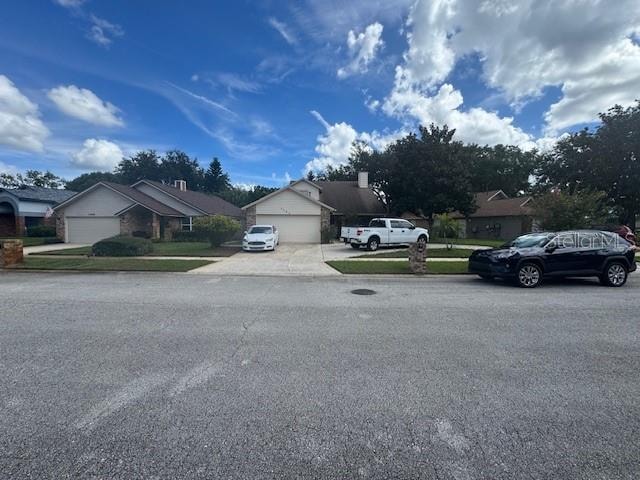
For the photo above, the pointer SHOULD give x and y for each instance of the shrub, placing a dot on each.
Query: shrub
(189, 237)
(41, 231)
(141, 234)
(217, 229)
(122, 246)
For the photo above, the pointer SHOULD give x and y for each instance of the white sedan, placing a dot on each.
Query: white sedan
(260, 237)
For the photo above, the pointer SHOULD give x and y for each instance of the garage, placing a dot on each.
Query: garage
(91, 229)
(294, 228)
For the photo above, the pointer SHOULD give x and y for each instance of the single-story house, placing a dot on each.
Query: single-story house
(310, 212)
(497, 216)
(25, 207)
(146, 208)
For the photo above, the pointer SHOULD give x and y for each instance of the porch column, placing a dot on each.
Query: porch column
(155, 227)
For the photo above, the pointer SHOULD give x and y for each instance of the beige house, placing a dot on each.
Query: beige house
(146, 208)
(312, 212)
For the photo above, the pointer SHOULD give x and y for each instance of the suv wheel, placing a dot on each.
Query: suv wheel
(615, 275)
(529, 275)
(373, 244)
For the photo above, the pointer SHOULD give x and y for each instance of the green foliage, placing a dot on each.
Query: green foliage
(87, 180)
(215, 179)
(144, 164)
(241, 197)
(122, 246)
(189, 237)
(562, 211)
(447, 228)
(41, 231)
(31, 178)
(602, 160)
(217, 228)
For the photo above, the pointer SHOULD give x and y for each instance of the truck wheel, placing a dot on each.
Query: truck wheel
(355, 247)
(615, 275)
(373, 244)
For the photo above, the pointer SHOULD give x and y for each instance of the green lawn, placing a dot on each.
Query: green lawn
(399, 267)
(34, 241)
(470, 241)
(431, 253)
(110, 264)
(164, 249)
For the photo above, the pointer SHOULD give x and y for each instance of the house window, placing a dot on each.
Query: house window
(187, 224)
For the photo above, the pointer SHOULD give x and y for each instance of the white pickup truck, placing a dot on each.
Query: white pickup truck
(383, 231)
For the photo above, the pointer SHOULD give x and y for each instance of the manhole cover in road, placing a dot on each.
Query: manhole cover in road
(363, 291)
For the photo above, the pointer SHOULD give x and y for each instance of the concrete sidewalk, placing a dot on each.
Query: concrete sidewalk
(52, 247)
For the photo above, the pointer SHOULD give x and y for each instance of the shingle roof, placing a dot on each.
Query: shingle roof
(347, 198)
(40, 194)
(144, 200)
(497, 207)
(210, 204)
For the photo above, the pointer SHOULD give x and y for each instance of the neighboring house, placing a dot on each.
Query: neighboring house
(21, 208)
(146, 208)
(497, 216)
(303, 210)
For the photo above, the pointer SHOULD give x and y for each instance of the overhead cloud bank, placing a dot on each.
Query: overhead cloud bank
(588, 49)
(97, 155)
(85, 105)
(20, 124)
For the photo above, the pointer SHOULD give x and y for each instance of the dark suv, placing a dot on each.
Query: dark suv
(579, 253)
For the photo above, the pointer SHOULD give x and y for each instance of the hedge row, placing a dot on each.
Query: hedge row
(122, 246)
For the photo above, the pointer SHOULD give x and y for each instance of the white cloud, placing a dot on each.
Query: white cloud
(102, 31)
(363, 48)
(334, 146)
(69, 3)
(8, 169)
(283, 30)
(20, 124)
(232, 81)
(97, 155)
(584, 47)
(84, 104)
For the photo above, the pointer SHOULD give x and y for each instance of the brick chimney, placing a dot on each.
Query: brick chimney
(180, 185)
(363, 179)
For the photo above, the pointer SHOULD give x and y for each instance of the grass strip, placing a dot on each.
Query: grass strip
(399, 267)
(110, 264)
(431, 253)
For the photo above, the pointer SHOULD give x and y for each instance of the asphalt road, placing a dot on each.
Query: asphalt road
(184, 376)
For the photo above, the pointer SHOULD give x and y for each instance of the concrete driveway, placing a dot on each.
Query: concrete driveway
(288, 259)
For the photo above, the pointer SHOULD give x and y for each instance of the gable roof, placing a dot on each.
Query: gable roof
(491, 204)
(347, 198)
(304, 180)
(209, 204)
(131, 194)
(288, 188)
(40, 194)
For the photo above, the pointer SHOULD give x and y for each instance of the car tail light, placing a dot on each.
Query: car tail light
(359, 231)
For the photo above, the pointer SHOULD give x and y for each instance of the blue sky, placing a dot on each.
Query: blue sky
(273, 89)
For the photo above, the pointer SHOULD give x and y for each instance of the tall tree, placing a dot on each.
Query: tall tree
(177, 165)
(607, 159)
(502, 167)
(556, 210)
(144, 164)
(216, 180)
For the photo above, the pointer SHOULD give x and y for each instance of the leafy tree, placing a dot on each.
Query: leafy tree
(144, 164)
(215, 179)
(502, 167)
(31, 178)
(177, 165)
(607, 160)
(447, 228)
(87, 180)
(557, 210)
(241, 197)
(217, 228)
(311, 176)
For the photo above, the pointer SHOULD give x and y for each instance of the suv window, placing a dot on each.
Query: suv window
(590, 240)
(567, 240)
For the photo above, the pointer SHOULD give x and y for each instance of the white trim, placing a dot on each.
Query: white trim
(526, 201)
(495, 194)
(304, 180)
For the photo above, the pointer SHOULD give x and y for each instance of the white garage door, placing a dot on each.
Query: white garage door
(91, 229)
(294, 228)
